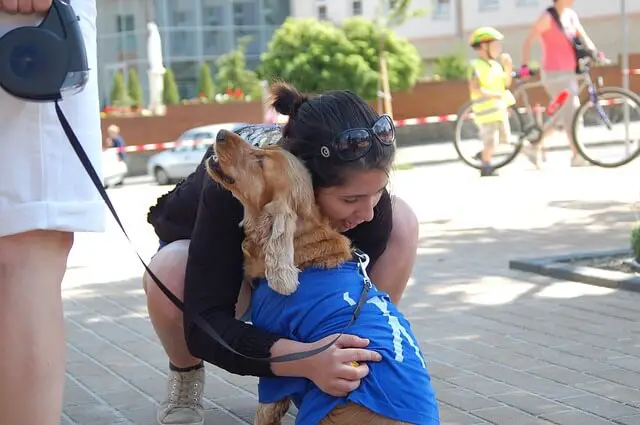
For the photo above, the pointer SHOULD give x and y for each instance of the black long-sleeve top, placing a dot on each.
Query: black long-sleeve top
(201, 210)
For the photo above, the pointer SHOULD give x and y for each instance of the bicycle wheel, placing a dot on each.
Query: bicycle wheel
(602, 134)
(468, 144)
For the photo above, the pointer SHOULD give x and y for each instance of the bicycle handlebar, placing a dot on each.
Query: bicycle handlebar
(597, 58)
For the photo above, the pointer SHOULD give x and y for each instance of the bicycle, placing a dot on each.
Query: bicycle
(607, 102)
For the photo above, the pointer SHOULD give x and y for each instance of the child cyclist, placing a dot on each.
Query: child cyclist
(488, 86)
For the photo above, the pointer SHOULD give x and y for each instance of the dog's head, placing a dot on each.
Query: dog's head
(275, 189)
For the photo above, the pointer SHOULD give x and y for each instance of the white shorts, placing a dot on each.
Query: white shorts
(42, 182)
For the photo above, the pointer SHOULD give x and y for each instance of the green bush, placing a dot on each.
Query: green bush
(205, 82)
(233, 73)
(119, 96)
(170, 94)
(454, 66)
(135, 89)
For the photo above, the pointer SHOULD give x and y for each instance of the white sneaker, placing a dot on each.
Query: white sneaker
(532, 153)
(578, 161)
(183, 405)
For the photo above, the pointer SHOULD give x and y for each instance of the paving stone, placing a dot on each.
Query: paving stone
(575, 417)
(629, 420)
(509, 415)
(601, 406)
(530, 403)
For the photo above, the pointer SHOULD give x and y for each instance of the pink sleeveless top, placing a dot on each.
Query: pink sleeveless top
(557, 50)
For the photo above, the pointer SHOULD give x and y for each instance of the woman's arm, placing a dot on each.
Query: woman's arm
(541, 25)
(584, 36)
(212, 284)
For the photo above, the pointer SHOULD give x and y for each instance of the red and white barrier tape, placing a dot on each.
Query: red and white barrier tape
(409, 122)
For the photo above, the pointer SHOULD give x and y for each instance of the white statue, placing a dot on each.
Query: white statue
(156, 70)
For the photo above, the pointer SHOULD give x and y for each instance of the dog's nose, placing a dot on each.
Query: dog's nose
(221, 136)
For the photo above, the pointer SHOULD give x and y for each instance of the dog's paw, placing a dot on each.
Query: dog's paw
(285, 282)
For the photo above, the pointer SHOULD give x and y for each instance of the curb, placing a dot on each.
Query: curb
(557, 267)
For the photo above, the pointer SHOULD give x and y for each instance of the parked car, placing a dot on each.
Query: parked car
(114, 169)
(177, 163)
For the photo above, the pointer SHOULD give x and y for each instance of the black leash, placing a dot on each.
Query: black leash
(363, 262)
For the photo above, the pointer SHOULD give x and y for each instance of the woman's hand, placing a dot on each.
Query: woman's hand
(338, 370)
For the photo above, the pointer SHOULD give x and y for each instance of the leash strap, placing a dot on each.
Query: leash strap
(363, 262)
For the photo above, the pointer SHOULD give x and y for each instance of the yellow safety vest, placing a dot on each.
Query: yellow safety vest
(492, 77)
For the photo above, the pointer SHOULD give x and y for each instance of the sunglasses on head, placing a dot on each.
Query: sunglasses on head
(355, 143)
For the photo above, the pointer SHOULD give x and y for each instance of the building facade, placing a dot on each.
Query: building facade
(192, 32)
(447, 24)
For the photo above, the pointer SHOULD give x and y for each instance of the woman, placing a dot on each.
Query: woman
(207, 270)
(559, 62)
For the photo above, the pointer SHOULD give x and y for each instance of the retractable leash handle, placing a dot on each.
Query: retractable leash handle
(41, 63)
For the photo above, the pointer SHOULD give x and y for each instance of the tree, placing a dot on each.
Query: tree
(233, 73)
(317, 56)
(391, 14)
(170, 94)
(119, 96)
(404, 65)
(205, 82)
(135, 89)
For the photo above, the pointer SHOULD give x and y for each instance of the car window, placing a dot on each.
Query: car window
(182, 149)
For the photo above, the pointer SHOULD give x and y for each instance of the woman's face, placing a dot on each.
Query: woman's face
(352, 203)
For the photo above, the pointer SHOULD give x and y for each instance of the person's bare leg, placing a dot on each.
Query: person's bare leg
(393, 269)
(32, 351)
(169, 265)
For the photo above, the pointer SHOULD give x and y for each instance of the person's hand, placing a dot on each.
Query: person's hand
(338, 370)
(25, 7)
(524, 72)
(506, 61)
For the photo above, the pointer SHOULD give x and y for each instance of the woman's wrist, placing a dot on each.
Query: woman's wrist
(295, 368)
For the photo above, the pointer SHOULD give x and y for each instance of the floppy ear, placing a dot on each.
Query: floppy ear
(278, 223)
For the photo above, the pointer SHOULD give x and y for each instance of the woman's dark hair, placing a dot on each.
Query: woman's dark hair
(316, 121)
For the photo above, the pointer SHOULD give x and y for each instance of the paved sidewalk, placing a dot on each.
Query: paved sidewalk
(503, 347)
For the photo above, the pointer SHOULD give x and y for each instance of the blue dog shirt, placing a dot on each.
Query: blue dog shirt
(397, 387)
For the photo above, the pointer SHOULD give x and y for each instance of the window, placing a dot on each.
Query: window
(125, 23)
(245, 13)
(525, 3)
(275, 11)
(213, 16)
(357, 8)
(322, 13)
(182, 43)
(441, 9)
(488, 5)
(216, 41)
(253, 47)
(127, 45)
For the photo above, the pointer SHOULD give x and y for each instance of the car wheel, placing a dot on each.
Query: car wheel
(161, 176)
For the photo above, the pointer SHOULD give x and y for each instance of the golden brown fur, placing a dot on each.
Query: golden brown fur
(285, 232)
